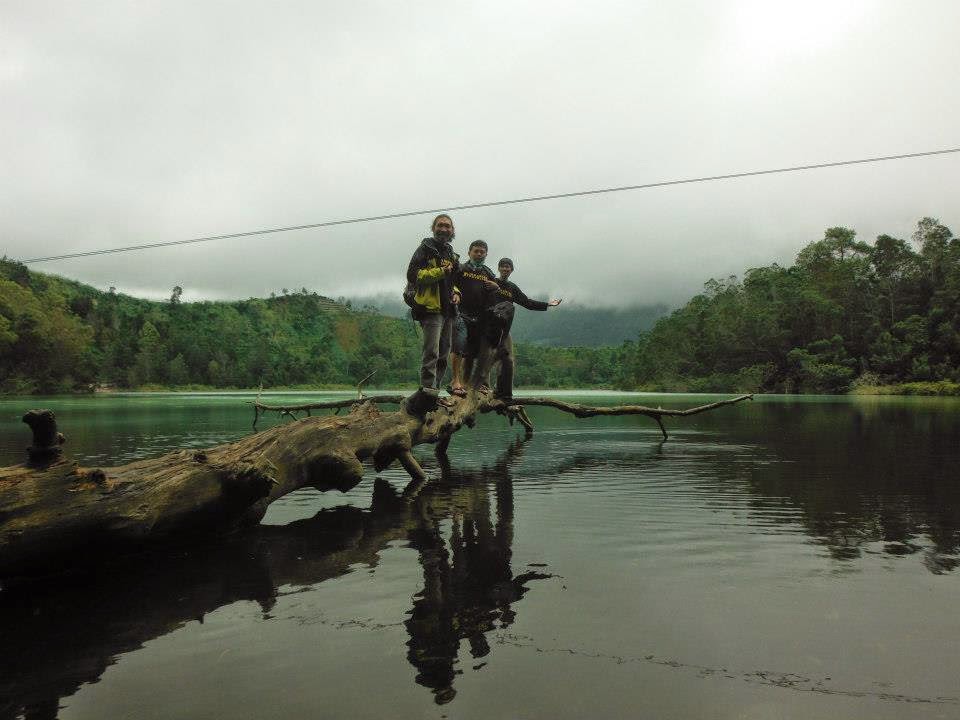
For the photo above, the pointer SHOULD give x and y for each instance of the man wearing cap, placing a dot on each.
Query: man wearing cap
(504, 353)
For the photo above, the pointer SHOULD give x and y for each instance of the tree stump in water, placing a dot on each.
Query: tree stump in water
(46, 439)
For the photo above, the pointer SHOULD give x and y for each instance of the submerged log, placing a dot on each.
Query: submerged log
(54, 513)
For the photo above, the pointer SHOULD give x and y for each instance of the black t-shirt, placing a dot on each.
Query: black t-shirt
(509, 291)
(475, 296)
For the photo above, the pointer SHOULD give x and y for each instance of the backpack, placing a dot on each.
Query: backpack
(409, 297)
(499, 318)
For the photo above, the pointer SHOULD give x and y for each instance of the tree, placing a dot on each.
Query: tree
(177, 372)
(151, 357)
(45, 347)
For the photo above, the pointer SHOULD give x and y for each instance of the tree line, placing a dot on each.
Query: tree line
(845, 313)
(58, 335)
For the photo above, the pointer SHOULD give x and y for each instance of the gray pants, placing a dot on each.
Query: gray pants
(437, 334)
(504, 356)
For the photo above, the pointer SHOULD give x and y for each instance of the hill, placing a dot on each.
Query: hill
(845, 313)
(570, 325)
(58, 335)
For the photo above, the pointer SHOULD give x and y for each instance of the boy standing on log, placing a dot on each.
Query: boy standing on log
(479, 290)
(504, 353)
(433, 299)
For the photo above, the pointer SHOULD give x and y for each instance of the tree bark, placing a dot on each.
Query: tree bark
(52, 511)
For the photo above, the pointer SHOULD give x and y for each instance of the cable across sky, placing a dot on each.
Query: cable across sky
(492, 203)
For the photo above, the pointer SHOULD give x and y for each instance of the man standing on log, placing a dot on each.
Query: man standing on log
(433, 299)
(479, 289)
(504, 353)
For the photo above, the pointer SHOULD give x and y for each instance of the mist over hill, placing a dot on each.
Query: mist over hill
(569, 325)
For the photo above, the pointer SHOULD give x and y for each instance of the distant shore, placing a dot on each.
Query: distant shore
(940, 388)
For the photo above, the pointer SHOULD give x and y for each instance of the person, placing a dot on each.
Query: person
(479, 290)
(504, 353)
(433, 298)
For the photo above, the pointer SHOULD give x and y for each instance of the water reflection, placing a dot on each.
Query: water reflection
(468, 591)
(857, 480)
(877, 478)
(60, 636)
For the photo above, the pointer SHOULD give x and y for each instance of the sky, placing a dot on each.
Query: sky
(126, 123)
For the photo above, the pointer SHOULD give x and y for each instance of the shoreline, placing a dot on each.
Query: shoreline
(940, 388)
(912, 389)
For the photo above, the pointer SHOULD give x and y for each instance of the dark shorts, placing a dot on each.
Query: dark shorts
(467, 334)
(459, 336)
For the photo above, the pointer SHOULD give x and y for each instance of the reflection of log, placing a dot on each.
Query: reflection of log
(60, 635)
(50, 509)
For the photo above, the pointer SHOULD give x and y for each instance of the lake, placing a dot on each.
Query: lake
(790, 557)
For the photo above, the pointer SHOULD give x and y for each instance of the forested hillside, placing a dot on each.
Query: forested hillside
(570, 325)
(58, 335)
(844, 312)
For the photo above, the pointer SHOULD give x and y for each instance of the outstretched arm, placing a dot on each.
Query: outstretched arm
(520, 298)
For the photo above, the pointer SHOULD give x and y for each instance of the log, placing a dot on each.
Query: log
(54, 513)
(121, 605)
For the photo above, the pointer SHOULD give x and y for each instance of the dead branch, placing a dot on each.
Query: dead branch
(260, 408)
(585, 411)
(360, 385)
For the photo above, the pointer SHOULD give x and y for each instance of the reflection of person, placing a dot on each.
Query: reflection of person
(107, 614)
(478, 290)
(430, 276)
(469, 588)
(504, 353)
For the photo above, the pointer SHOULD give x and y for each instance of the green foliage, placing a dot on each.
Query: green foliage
(844, 308)
(575, 367)
(43, 346)
(59, 336)
(941, 388)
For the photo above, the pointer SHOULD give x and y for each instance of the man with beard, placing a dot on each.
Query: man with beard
(433, 298)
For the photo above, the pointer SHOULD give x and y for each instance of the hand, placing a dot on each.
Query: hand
(491, 284)
(455, 298)
(554, 303)
(447, 266)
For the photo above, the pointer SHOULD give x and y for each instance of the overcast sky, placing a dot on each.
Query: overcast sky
(135, 122)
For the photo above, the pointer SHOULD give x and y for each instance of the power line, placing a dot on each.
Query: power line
(472, 206)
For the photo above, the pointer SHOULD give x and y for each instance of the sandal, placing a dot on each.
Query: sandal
(457, 391)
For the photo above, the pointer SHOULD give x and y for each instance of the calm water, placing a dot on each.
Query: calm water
(786, 558)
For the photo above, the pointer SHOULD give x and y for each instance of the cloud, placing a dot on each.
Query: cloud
(139, 123)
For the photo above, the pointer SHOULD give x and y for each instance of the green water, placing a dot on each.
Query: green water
(785, 558)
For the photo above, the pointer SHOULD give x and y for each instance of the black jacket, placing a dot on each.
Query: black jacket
(429, 254)
(509, 291)
(475, 297)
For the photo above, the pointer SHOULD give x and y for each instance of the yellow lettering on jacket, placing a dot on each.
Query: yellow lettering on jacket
(475, 276)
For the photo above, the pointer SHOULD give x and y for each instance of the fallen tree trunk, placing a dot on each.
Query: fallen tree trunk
(53, 512)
